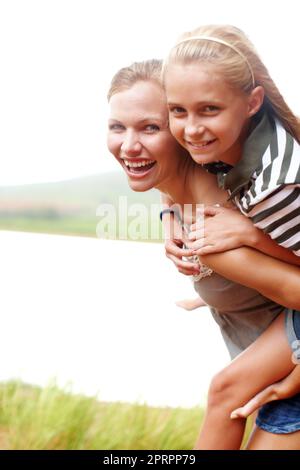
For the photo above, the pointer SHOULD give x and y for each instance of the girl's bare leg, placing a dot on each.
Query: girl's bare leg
(264, 362)
(263, 440)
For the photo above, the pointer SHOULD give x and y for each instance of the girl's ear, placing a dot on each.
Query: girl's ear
(256, 100)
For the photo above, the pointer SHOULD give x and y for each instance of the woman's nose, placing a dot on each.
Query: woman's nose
(131, 145)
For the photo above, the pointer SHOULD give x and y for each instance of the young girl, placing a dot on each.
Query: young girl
(140, 140)
(224, 108)
(227, 112)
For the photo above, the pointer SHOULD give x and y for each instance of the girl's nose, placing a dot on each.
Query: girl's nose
(194, 129)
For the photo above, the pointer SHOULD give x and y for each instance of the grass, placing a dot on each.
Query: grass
(63, 226)
(50, 418)
(69, 207)
(79, 226)
(32, 418)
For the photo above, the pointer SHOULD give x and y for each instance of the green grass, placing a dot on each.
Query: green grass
(49, 418)
(63, 226)
(69, 207)
(68, 226)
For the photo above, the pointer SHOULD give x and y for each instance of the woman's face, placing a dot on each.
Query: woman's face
(206, 116)
(139, 136)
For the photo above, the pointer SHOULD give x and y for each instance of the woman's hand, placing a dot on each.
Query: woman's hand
(286, 388)
(175, 242)
(221, 229)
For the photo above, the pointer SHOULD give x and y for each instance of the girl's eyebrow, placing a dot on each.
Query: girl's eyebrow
(198, 103)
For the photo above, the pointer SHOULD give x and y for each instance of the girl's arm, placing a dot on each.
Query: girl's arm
(275, 279)
(285, 388)
(221, 229)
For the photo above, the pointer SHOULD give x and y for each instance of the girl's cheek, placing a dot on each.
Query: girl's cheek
(173, 127)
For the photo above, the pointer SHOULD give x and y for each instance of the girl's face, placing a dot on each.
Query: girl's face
(139, 136)
(206, 116)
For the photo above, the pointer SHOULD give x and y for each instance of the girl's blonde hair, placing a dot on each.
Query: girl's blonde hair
(238, 62)
(125, 78)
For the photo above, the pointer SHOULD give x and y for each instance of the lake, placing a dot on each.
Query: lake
(100, 315)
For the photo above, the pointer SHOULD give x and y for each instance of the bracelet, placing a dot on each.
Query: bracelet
(169, 211)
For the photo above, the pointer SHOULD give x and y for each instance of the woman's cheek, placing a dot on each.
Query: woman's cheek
(113, 145)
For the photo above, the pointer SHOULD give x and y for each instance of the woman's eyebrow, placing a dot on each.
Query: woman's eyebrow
(150, 118)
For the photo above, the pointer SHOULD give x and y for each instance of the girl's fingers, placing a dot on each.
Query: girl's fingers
(199, 225)
(267, 395)
(197, 244)
(196, 234)
(208, 249)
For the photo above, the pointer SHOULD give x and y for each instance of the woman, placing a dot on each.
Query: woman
(140, 140)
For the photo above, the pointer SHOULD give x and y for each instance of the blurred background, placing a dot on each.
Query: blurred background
(98, 314)
(57, 59)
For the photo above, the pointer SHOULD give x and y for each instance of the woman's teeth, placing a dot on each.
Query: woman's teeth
(138, 164)
(139, 167)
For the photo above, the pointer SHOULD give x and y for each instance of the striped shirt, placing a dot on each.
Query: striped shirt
(265, 183)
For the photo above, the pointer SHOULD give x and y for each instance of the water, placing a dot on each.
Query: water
(101, 315)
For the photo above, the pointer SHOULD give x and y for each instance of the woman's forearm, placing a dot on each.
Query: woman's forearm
(275, 279)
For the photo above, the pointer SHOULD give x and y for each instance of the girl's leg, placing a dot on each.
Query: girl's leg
(263, 440)
(264, 362)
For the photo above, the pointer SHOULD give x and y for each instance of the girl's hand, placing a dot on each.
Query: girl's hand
(221, 229)
(286, 388)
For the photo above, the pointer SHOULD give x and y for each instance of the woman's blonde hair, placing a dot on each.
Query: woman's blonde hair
(125, 78)
(238, 62)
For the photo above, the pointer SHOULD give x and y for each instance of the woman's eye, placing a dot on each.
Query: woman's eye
(116, 127)
(152, 128)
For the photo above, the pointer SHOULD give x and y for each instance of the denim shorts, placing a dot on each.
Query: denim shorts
(283, 416)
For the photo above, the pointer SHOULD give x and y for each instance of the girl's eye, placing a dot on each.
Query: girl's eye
(152, 128)
(116, 127)
(176, 110)
(210, 109)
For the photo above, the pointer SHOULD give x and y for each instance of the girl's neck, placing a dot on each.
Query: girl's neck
(235, 153)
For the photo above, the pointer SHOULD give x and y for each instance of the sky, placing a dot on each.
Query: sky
(57, 58)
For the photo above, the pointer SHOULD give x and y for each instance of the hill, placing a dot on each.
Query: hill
(70, 206)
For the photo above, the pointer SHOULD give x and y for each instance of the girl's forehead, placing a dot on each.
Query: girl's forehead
(193, 70)
(195, 81)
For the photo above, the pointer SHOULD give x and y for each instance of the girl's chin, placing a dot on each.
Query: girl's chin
(203, 159)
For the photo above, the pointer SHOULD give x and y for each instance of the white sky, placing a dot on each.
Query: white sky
(58, 56)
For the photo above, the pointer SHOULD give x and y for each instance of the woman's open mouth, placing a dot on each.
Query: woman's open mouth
(138, 168)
